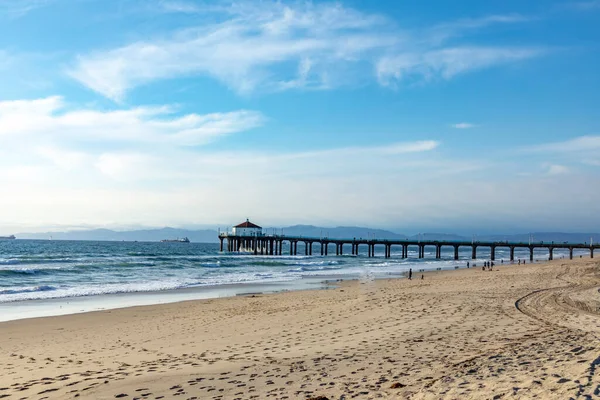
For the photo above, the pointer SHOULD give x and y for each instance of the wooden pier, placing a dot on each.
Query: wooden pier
(273, 245)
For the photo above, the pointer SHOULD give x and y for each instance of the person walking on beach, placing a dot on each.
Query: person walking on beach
(410, 274)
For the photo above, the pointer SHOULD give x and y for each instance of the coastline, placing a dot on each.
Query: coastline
(48, 307)
(455, 334)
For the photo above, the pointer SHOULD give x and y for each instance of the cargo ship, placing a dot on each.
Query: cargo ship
(179, 240)
(11, 237)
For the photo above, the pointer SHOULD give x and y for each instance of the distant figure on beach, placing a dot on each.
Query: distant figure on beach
(422, 276)
(467, 264)
(410, 274)
(519, 261)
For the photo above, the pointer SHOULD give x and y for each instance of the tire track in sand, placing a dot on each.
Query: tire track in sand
(559, 308)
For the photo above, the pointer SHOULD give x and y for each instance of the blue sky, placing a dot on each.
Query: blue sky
(462, 116)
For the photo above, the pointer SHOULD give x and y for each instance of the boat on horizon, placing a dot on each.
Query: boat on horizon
(178, 240)
(11, 237)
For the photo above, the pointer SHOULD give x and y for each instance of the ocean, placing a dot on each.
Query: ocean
(33, 270)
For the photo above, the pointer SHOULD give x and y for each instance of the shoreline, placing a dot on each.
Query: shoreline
(48, 308)
(455, 334)
(45, 308)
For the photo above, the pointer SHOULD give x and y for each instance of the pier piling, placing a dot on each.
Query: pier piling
(273, 245)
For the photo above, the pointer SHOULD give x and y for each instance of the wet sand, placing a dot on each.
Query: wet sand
(517, 332)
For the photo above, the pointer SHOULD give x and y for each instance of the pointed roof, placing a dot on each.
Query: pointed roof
(248, 224)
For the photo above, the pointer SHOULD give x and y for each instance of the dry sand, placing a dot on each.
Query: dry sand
(519, 332)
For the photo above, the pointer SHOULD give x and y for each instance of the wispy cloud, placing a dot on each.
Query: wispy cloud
(582, 151)
(442, 32)
(446, 63)
(152, 144)
(50, 170)
(271, 46)
(578, 144)
(52, 118)
(463, 125)
(179, 6)
(584, 5)
(19, 8)
(556, 169)
(5, 59)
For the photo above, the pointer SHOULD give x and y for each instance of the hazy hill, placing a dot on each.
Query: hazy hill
(439, 236)
(341, 232)
(146, 235)
(558, 237)
(344, 232)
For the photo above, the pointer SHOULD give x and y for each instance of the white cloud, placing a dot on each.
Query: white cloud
(5, 59)
(446, 31)
(19, 8)
(556, 169)
(446, 63)
(179, 6)
(584, 5)
(578, 144)
(241, 52)
(151, 145)
(463, 125)
(271, 46)
(582, 150)
(65, 159)
(51, 180)
(51, 119)
(120, 165)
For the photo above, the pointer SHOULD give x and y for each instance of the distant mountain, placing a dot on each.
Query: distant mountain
(340, 232)
(146, 235)
(439, 236)
(558, 237)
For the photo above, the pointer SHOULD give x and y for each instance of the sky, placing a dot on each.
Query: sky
(463, 116)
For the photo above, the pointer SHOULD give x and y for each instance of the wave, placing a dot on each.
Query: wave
(312, 269)
(50, 292)
(266, 263)
(22, 272)
(39, 260)
(41, 288)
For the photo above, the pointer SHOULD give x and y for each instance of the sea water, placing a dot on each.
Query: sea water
(33, 270)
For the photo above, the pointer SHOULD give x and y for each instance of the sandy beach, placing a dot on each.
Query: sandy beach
(517, 332)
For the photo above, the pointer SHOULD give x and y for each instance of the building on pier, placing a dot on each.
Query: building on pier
(246, 229)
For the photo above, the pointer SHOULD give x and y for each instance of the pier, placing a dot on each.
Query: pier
(273, 245)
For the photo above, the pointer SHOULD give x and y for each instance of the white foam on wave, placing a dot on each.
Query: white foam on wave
(51, 292)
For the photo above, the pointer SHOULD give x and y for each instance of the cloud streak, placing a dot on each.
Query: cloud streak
(463, 125)
(154, 145)
(584, 5)
(272, 47)
(52, 177)
(582, 151)
(19, 8)
(446, 63)
(51, 118)
(578, 144)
